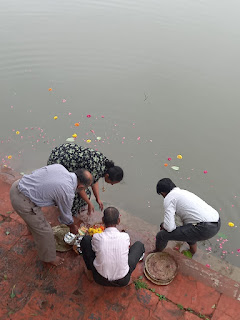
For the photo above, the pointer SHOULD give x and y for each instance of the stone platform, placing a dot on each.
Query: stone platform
(31, 290)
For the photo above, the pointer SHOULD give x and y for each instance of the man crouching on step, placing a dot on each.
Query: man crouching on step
(109, 255)
(200, 220)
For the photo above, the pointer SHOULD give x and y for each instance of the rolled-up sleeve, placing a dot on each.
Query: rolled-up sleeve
(169, 215)
(64, 202)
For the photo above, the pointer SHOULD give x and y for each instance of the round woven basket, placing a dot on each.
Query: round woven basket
(160, 268)
(59, 233)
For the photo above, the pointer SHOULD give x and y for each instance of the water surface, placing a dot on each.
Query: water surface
(164, 74)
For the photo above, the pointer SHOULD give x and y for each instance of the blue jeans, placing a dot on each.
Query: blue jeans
(189, 233)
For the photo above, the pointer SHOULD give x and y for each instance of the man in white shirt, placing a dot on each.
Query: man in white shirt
(200, 220)
(108, 255)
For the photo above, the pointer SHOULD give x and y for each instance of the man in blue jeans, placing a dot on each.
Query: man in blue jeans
(200, 220)
(109, 255)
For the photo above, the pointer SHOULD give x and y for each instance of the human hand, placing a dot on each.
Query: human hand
(90, 208)
(100, 204)
(73, 229)
(161, 226)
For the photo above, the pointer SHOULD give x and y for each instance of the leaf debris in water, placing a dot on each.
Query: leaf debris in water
(70, 139)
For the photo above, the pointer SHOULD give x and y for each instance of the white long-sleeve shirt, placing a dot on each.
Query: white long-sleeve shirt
(189, 207)
(111, 248)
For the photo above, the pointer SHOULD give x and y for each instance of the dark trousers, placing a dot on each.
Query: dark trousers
(189, 233)
(135, 252)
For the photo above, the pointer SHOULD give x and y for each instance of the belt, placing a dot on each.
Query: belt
(206, 222)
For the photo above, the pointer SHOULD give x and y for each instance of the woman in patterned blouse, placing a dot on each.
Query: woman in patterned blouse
(73, 157)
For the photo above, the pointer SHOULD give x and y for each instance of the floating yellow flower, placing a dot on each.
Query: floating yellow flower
(179, 156)
(74, 135)
(50, 89)
(231, 224)
(9, 157)
(55, 118)
(88, 141)
(76, 124)
(17, 132)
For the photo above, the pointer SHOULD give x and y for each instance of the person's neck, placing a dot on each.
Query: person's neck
(112, 226)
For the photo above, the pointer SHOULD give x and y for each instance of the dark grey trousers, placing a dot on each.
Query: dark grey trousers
(189, 233)
(135, 253)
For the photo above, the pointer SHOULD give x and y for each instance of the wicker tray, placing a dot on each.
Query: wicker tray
(59, 233)
(160, 268)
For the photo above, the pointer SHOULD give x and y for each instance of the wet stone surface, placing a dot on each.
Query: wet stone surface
(30, 289)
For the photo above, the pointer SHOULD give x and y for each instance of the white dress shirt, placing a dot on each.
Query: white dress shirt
(189, 207)
(111, 248)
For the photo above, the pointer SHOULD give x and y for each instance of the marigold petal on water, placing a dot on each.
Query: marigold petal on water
(74, 135)
(55, 118)
(88, 141)
(17, 132)
(76, 124)
(179, 156)
(165, 164)
(9, 157)
(50, 89)
(231, 224)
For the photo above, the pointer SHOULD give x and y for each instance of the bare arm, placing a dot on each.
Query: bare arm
(73, 228)
(84, 196)
(95, 189)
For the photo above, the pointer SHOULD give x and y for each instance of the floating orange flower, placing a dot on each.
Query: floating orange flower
(50, 89)
(55, 118)
(17, 132)
(165, 164)
(179, 156)
(74, 135)
(9, 157)
(76, 124)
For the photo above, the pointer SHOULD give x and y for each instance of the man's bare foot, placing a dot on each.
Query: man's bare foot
(89, 275)
(130, 282)
(57, 262)
(193, 249)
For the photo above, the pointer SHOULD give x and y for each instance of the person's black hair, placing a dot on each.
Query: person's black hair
(165, 185)
(115, 173)
(83, 177)
(110, 216)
